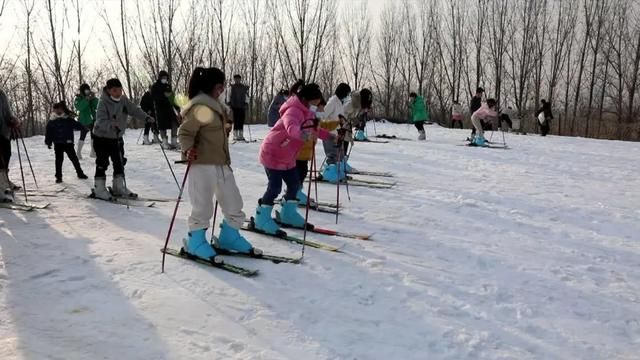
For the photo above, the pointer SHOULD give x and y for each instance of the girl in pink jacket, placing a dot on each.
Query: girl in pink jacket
(485, 113)
(278, 154)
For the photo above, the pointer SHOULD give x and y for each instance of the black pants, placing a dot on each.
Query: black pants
(238, 118)
(60, 150)
(544, 128)
(109, 149)
(148, 126)
(276, 177)
(455, 122)
(303, 170)
(345, 148)
(5, 152)
(85, 130)
(419, 125)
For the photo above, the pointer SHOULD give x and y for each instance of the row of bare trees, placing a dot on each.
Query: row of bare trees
(583, 56)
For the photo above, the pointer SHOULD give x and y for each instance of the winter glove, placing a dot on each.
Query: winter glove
(191, 154)
(150, 120)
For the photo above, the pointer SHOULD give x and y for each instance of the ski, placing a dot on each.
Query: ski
(223, 266)
(392, 137)
(17, 207)
(318, 230)
(48, 193)
(249, 226)
(361, 183)
(319, 207)
(125, 202)
(153, 200)
(371, 173)
(504, 147)
(372, 141)
(243, 141)
(273, 258)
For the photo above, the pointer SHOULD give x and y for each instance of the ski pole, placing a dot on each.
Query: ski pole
(140, 136)
(175, 212)
(24, 185)
(124, 178)
(213, 227)
(170, 167)
(308, 205)
(26, 152)
(340, 149)
(314, 172)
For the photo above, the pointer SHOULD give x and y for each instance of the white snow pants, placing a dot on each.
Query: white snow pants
(207, 181)
(477, 123)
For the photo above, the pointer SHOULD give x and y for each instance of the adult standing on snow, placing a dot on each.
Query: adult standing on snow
(114, 109)
(238, 101)
(334, 110)
(544, 116)
(204, 137)
(278, 154)
(164, 110)
(147, 105)
(486, 112)
(456, 114)
(476, 103)
(8, 125)
(419, 114)
(274, 108)
(86, 104)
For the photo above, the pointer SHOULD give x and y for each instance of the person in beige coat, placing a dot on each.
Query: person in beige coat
(204, 139)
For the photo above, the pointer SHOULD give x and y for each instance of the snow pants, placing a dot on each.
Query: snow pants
(70, 151)
(5, 152)
(303, 170)
(331, 151)
(477, 125)
(207, 182)
(238, 118)
(276, 177)
(109, 149)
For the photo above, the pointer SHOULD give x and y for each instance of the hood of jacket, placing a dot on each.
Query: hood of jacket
(294, 103)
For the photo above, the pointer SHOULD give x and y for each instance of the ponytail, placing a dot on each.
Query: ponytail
(203, 80)
(293, 90)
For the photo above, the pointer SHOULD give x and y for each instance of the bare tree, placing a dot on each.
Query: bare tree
(385, 74)
(122, 51)
(357, 40)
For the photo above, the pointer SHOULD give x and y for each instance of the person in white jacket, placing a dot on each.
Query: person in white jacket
(334, 110)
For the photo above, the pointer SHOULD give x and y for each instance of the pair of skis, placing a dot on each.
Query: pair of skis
(23, 207)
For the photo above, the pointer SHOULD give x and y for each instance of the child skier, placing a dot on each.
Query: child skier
(486, 112)
(334, 109)
(362, 115)
(111, 122)
(278, 154)
(86, 104)
(59, 133)
(456, 114)
(204, 138)
(8, 124)
(419, 114)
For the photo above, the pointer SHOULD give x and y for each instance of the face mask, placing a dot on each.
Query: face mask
(87, 92)
(320, 114)
(313, 108)
(346, 100)
(116, 99)
(164, 81)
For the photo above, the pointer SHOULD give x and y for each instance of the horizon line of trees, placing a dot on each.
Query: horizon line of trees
(583, 56)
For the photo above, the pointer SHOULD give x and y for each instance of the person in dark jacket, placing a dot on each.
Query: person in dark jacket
(274, 109)
(476, 103)
(166, 112)
(238, 102)
(146, 104)
(59, 133)
(544, 116)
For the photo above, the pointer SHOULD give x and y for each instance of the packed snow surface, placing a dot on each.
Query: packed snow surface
(526, 253)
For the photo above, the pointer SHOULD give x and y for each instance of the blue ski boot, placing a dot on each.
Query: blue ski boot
(479, 140)
(360, 136)
(263, 220)
(196, 244)
(333, 173)
(301, 197)
(230, 240)
(289, 215)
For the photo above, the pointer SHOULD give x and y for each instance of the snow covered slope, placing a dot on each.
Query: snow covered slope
(528, 253)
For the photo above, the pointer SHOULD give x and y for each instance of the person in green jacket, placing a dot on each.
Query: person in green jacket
(86, 104)
(419, 114)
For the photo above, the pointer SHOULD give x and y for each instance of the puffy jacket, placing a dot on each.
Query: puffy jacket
(282, 144)
(274, 109)
(485, 113)
(306, 153)
(146, 103)
(86, 108)
(203, 127)
(5, 116)
(238, 98)
(546, 110)
(163, 107)
(419, 111)
(60, 129)
(112, 116)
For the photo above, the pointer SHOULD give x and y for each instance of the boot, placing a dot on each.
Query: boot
(100, 189)
(302, 197)
(263, 220)
(241, 135)
(196, 244)
(174, 143)
(58, 179)
(165, 142)
(479, 140)
(290, 216)
(231, 240)
(82, 176)
(13, 186)
(119, 188)
(146, 140)
(333, 174)
(79, 149)
(423, 135)
(236, 135)
(92, 154)
(6, 192)
(360, 136)
(156, 139)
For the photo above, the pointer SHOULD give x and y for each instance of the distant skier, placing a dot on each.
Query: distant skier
(238, 101)
(146, 104)
(362, 116)
(476, 103)
(86, 104)
(165, 111)
(506, 118)
(334, 109)
(486, 112)
(544, 116)
(419, 114)
(457, 114)
(114, 109)
(8, 125)
(204, 138)
(278, 154)
(59, 133)
(274, 108)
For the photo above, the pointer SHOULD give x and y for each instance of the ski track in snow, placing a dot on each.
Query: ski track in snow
(527, 253)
